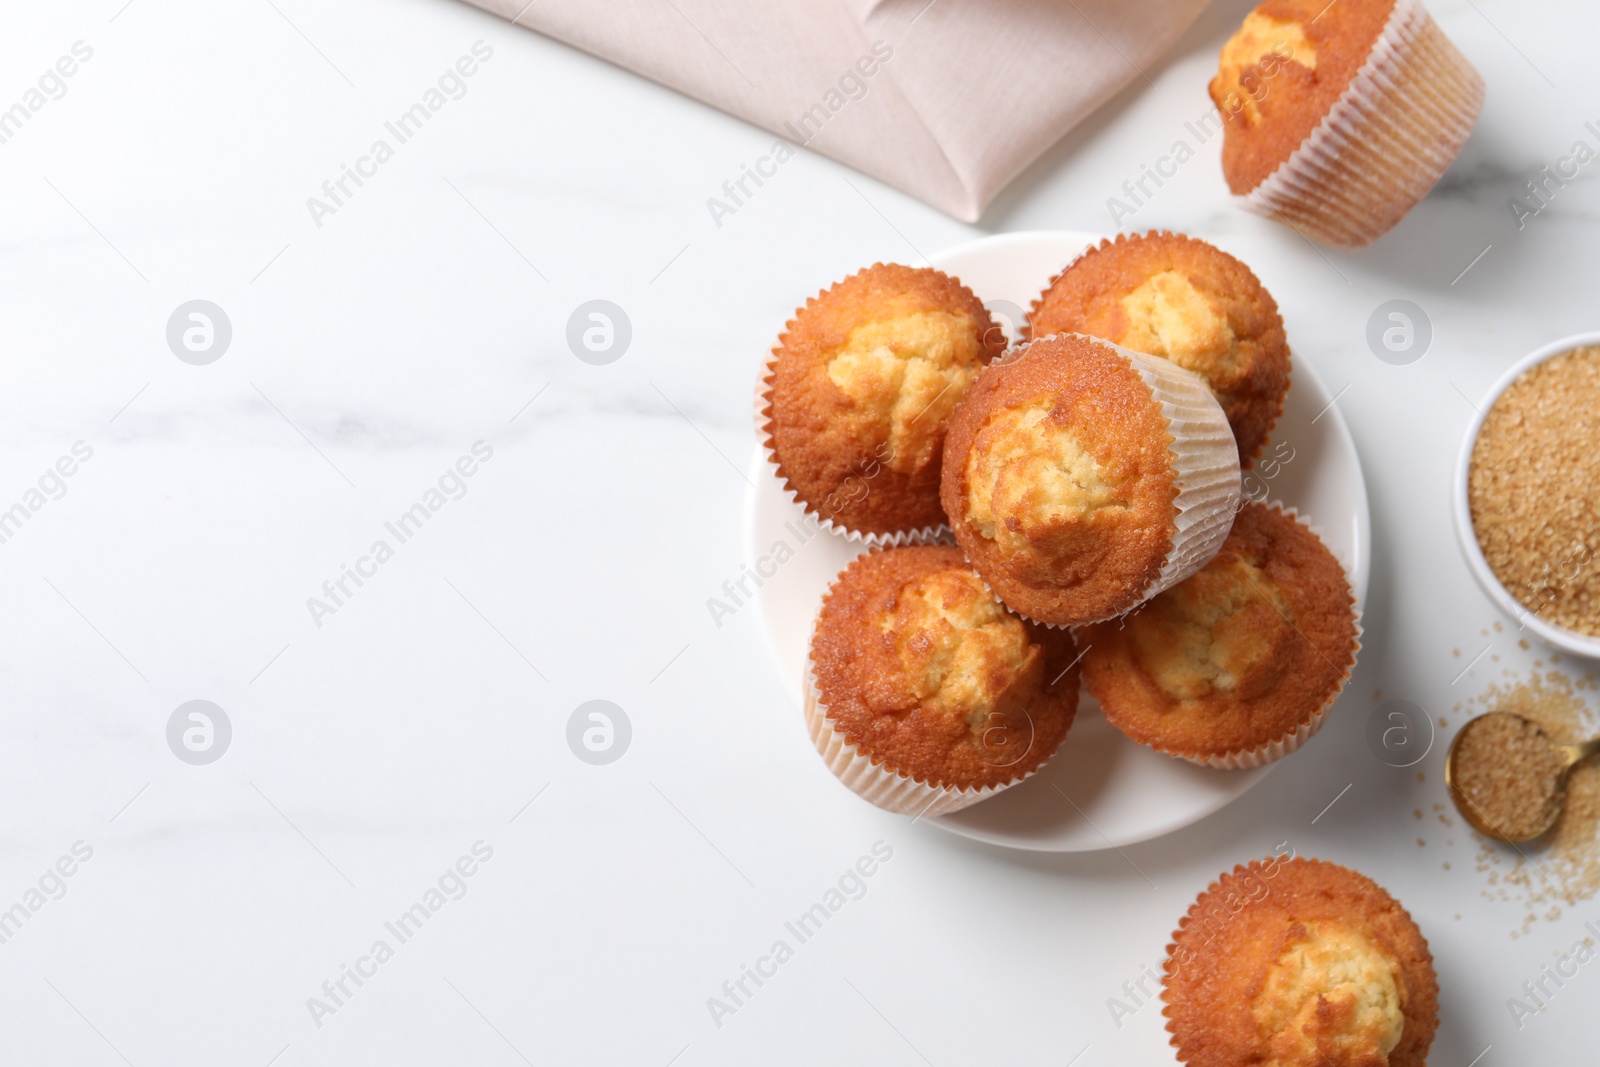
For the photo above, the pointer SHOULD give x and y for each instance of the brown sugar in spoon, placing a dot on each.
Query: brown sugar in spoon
(1507, 778)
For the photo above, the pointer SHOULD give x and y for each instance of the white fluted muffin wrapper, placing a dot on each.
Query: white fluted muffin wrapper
(763, 400)
(1206, 458)
(1385, 142)
(889, 790)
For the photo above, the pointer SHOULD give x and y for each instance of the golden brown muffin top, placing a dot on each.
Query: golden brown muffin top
(928, 675)
(1299, 963)
(1282, 72)
(1237, 655)
(1187, 301)
(863, 381)
(1059, 480)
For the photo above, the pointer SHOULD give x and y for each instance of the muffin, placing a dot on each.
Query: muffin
(1082, 478)
(1299, 963)
(924, 695)
(857, 392)
(1187, 301)
(1239, 664)
(1338, 118)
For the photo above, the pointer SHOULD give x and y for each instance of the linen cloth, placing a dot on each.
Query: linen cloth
(947, 100)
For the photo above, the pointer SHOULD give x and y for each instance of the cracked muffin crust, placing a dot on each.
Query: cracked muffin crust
(1281, 72)
(859, 389)
(1186, 301)
(1299, 963)
(1338, 118)
(1245, 653)
(926, 674)
(1081, 478)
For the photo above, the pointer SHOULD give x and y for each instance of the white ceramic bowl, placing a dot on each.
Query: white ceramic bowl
(1567, 640)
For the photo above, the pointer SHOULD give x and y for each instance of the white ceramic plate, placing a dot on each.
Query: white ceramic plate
(1115, 792)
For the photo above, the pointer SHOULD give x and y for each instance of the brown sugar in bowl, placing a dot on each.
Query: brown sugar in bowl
(1540, 522)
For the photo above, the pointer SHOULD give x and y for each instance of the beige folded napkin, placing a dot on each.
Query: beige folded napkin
(947, 100)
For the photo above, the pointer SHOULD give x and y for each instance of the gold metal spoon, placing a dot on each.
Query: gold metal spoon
(1571, 755)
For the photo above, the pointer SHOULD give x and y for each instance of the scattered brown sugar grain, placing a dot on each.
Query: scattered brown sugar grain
(1562, 868)
(1532, 489)
(1509, 773)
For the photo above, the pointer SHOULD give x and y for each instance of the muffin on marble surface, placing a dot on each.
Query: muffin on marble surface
(1238, 665)
(1187, 301)
(1338, 118)
(924, 694)
(1082, 478)
(1299, 963)
(855, 397)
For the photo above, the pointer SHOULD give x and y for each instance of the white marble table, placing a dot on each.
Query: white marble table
(423, 713)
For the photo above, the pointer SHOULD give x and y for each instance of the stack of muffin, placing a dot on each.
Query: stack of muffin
(1089, 478)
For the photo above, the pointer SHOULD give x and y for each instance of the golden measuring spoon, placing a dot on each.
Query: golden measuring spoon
(1550, 790)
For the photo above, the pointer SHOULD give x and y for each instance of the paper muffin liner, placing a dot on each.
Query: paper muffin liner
(1385, 142)
(889, 790)
(1206, 457)
(764, 431)
(1280, 747)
